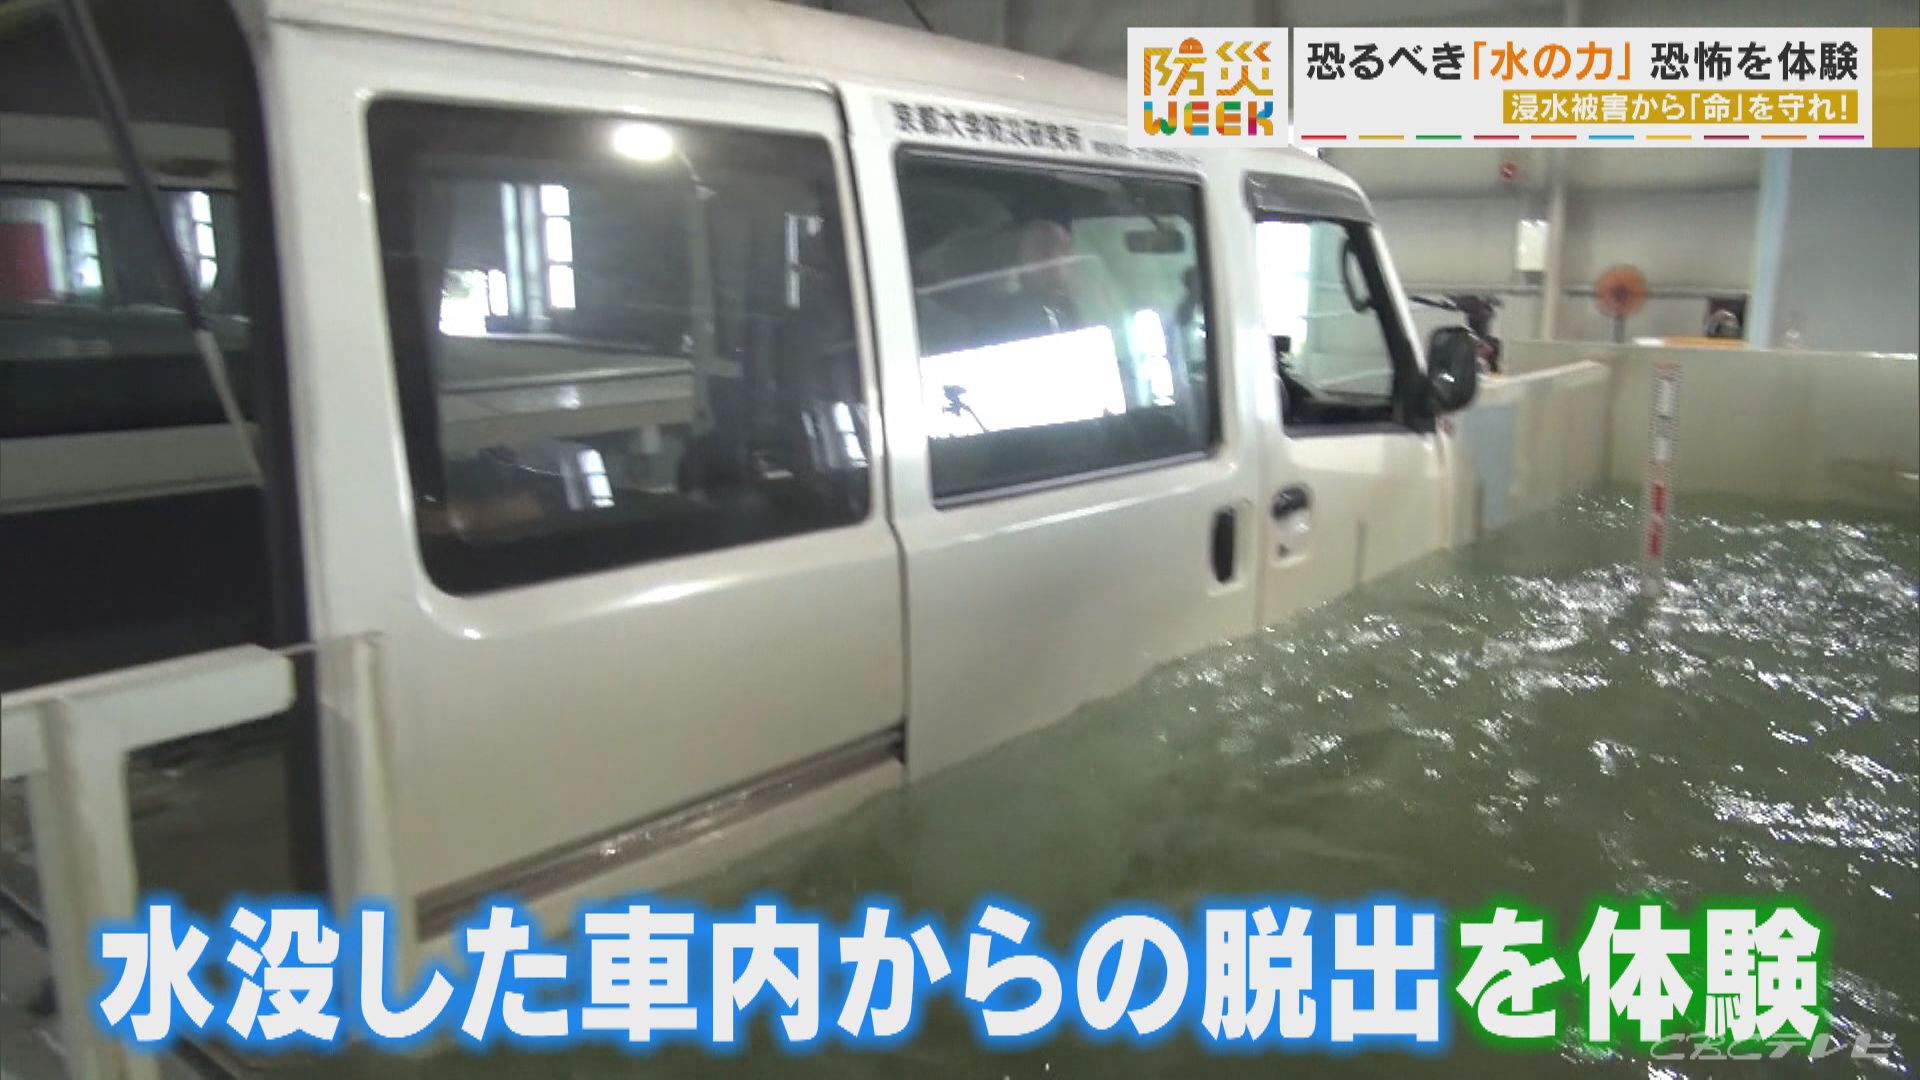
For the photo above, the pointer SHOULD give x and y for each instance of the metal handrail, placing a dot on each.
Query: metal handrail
(69, 742)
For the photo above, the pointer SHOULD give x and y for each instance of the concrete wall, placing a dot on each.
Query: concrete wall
(1784, 426)
(1781, 425)
(1790, 427)
(1849, 273)
(1528, 442)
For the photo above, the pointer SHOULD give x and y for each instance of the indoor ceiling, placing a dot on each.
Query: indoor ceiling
(1390, 173)
(1092, 33)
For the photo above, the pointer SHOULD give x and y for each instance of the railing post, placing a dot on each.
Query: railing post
(356, 757)
(83, 846)
(69, 741)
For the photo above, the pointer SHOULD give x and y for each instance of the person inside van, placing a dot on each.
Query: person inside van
(1048, 298)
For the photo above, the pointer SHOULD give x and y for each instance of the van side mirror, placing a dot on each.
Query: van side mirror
(1453, 368)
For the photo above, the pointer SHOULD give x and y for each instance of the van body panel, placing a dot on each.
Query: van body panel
(528, 721)
(1379, 502)
(711, 851)
(1026, 608)
(545, 714)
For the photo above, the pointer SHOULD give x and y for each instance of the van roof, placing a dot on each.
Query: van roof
(786, 40)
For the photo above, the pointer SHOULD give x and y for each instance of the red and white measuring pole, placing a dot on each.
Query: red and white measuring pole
(1660, 434)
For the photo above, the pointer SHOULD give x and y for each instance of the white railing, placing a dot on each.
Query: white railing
(70, 741)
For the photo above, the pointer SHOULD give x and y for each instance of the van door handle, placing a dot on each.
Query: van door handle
(1225, 558)
(1291, 500)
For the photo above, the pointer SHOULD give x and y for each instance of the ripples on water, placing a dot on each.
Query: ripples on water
(1510, 719)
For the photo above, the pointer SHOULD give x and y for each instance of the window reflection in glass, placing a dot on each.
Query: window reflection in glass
(1331, 338)
(617, 341)
(90, 309)
(1062, 321)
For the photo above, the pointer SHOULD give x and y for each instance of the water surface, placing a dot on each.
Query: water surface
(1511, 719)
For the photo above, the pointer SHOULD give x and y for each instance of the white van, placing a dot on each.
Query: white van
(713, 412)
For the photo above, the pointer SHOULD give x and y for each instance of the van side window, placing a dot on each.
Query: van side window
(616, 340)
(1328, 311)
(1062, 318)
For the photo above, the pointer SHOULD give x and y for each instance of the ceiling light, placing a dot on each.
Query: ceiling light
(642, 141)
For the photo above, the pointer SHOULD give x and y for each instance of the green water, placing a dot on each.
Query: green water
(1509, 719)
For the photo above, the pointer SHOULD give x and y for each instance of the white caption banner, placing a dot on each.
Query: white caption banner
(1582, 86)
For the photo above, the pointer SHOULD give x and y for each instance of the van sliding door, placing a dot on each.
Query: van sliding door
(588, 395)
